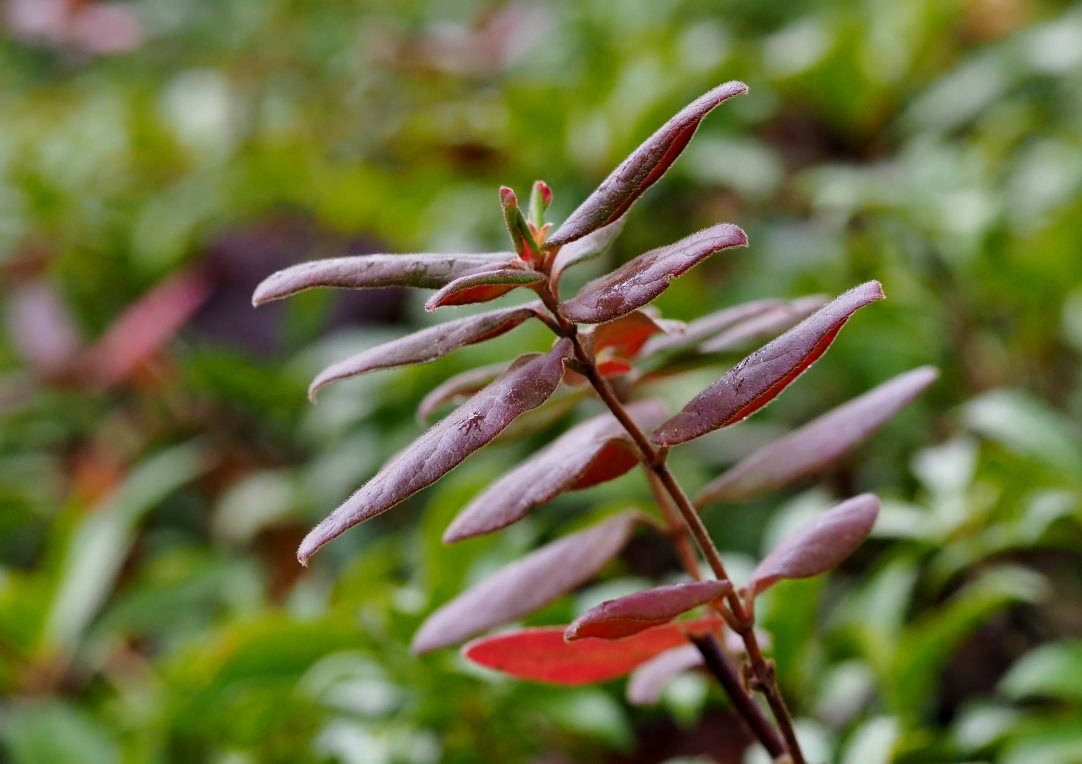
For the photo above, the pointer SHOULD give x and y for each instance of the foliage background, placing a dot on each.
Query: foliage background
(153, 484)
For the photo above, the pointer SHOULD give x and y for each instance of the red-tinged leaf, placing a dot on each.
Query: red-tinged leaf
(592, 452)
(482, 287)
(760, 377)
(646, 683)
(613, 367)
(636, 612)
(642, 168)
(708, 326)
(766, 324)
(817, 444)
(426, 345)
(540, 199)
(641, 280)
(145, 326)
(820, 545)
(457, 389)
(587, 248)
(543, 655)
(625, 336)
(526, 384)
(528, 584)
(521, 235)
(369, 271)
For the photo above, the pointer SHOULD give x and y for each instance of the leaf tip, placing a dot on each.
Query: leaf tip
(507, 197)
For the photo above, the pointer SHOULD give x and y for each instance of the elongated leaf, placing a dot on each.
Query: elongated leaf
(528, 584)
(820, 545)
(587, 248)
(636, 612)
(540, 199)
(647, 682)
(597, 450)
(543, 655)
(526, 384)
(760, 377)
(764, 325)
(426, 345)
(642, 168)
(369, 271)
(708, 326)
(482, 287)
(457, 389)
(820, 442)
(641, 280)
(624, 337)
(517, 228)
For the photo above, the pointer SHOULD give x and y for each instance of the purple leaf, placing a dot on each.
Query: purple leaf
(426, 345)
(766, 324)
(641, 280)
(642, 168)
(369, 271)
(820, 545)
(629, 615)
(760, 377)
(528, 584)
(526, 384)
(482, 287)
(587, 248)
(646, 683)
(457, 388)
(709, 325)
(820, 442)
(592, 452)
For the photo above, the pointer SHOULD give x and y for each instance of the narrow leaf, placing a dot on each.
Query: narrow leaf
(592, 452)
(764, 325)
(641, 280)
(708, 326)
(457, 389)
(587, 248)
(528, 584)
(370, 271)
(647, 682)
(820, 545)
(823, 440)
(629, 615)
(760, 377)
(521, 235)
(426, 345)
(526, 384)
(482, 287)
(540, 199)
(642, 168)
(543, 655)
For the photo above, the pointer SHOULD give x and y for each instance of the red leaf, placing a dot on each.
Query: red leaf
(369, 271)
(646, 683)
(528, 584)
(587, 248)
(820, 442)
(482, 287)
(457, 388)
(709, 325)
(426, 345)
(641, 280)
(760, 377)
(594, 451)
(820, 545)
(642, 168)
(624, 337)
(629, 615)
(766, 324)
(542, 655)
(526, 384)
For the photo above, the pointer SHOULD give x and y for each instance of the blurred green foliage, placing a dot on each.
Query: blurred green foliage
(150, 606)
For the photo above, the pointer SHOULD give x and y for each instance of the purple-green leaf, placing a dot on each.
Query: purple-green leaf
(820, 545)
(528, 584)
(766, 324)
(587, 248)
(482, 287)
(457, 389)
(646, 683)
(521, 235)
(540, 199)
(629, 615)
(426, 345)
(526, 384)
(641, 280)
(760, 377)
(592, 452)
(817, 444)
(642, 168)
(371, 271)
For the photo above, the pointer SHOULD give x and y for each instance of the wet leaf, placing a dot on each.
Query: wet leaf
(528, 584)
(642, 168)
(526, 384)
(592, 452)
(426, 271)
(482, 287)
(629, 615)
(766, 324)
(587, 248)
(647, 682)
(820, 545)
(543, 655)
(641, 280)
(820, 442)
(760, 377)
(457, 388)
(426, 345)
